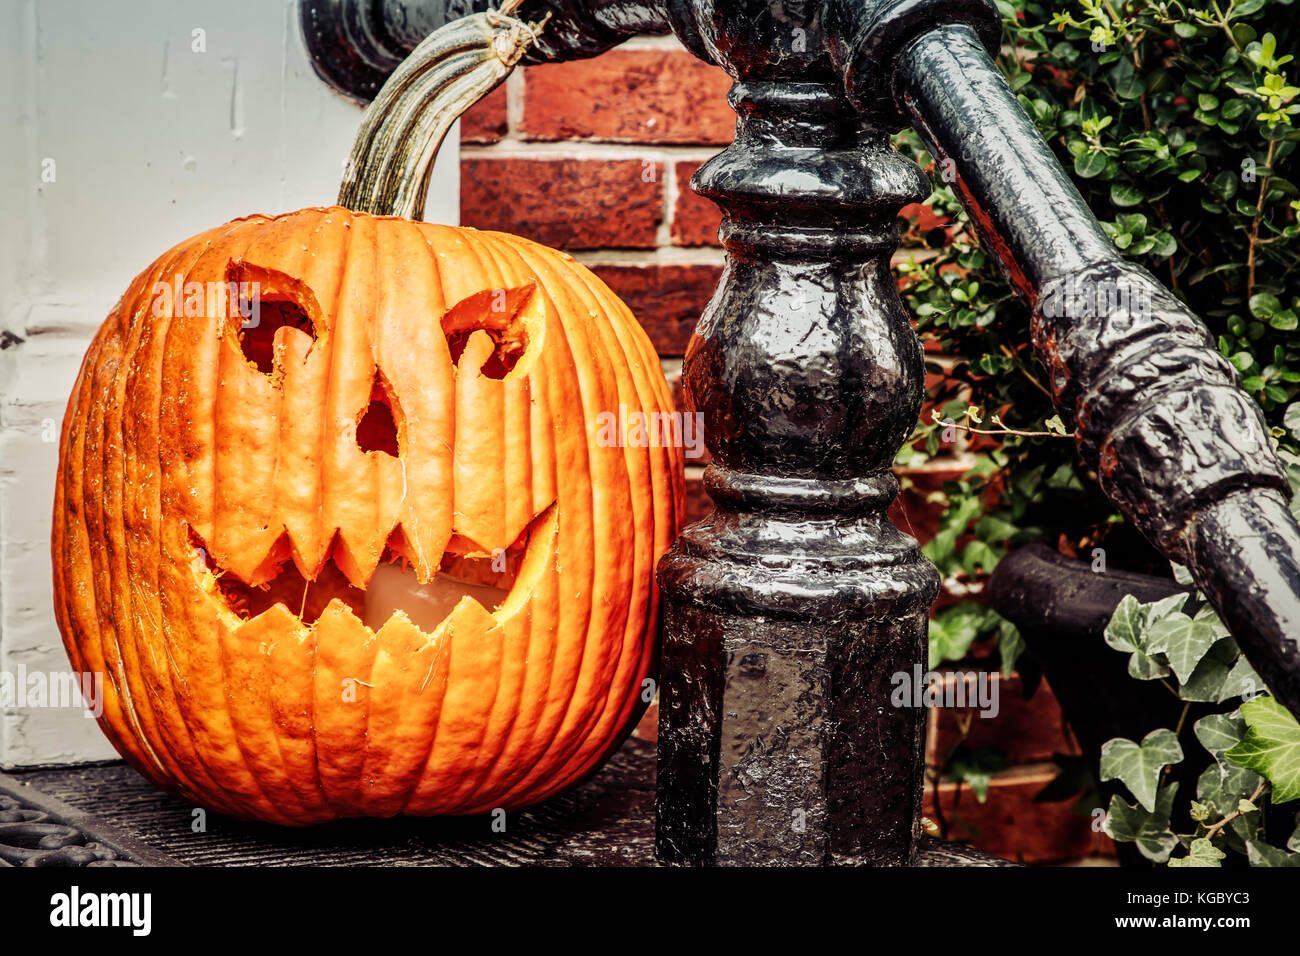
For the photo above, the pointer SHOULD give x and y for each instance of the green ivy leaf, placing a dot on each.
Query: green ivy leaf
(1224, 782)
(1218, 799)
(955, 628)
(1271, 746)
(1200, 852)
(1212, 674)
(1010, 645)
(1183, 640)
(1138, 766)
(1127, 632)
(1242, 681)
(1126, 823)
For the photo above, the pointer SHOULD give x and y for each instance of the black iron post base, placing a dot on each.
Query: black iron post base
(779, 740)
(804, 766)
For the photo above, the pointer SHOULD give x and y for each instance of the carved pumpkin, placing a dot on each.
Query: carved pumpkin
(368, 555)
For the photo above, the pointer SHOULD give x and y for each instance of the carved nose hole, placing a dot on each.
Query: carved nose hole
(377, 429)
(257, 337)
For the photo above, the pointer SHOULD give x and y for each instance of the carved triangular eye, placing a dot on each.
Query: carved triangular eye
(509, 318)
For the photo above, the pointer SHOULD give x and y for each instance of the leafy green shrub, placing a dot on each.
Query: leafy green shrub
(1176, 123)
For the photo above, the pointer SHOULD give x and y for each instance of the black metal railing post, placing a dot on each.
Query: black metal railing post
(790, 608)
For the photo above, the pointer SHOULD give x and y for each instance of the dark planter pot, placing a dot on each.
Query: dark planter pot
(1061, 607)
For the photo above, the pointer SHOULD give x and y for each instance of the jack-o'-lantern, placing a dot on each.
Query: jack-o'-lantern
(334, 515)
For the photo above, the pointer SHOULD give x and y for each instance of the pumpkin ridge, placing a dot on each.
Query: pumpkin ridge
(615, 661)
(561, 740)
(327, 536)
(538, 631)
(207, 717)
(174, 730)
(289, 638)
(501, 273)
(167, 732)
(76, 608)
(438, 545)
(611, 461)
(298, 475)
(626, 671)
(641, 617)
(239, 676)
(312, 798)
(179, 756)
(110, 371)
(228, 359)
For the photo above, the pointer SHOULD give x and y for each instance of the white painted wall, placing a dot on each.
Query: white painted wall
(148, 140)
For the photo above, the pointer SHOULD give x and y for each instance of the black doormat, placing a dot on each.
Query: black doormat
(608, 821)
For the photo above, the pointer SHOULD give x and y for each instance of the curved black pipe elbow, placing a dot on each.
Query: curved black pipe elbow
(355, 44)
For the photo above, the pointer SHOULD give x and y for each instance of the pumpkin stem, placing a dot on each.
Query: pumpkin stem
(452, 69)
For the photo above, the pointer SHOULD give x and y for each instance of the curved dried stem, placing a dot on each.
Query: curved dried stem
(451, 70)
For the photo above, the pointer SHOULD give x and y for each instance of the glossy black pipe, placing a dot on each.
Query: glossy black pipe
(355, 44)
(1159, 413)
(1031, 215)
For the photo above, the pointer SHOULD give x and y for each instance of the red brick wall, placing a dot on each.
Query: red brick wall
(595, 157)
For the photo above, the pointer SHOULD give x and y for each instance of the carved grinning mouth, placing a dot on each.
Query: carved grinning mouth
(499, 582)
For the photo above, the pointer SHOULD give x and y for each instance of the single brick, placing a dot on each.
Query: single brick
(629, 96)
(485, 121)
(565, 203)
(667, 299)
(695, 219)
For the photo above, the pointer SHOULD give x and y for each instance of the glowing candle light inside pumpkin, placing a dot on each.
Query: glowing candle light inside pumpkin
(394, 588)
